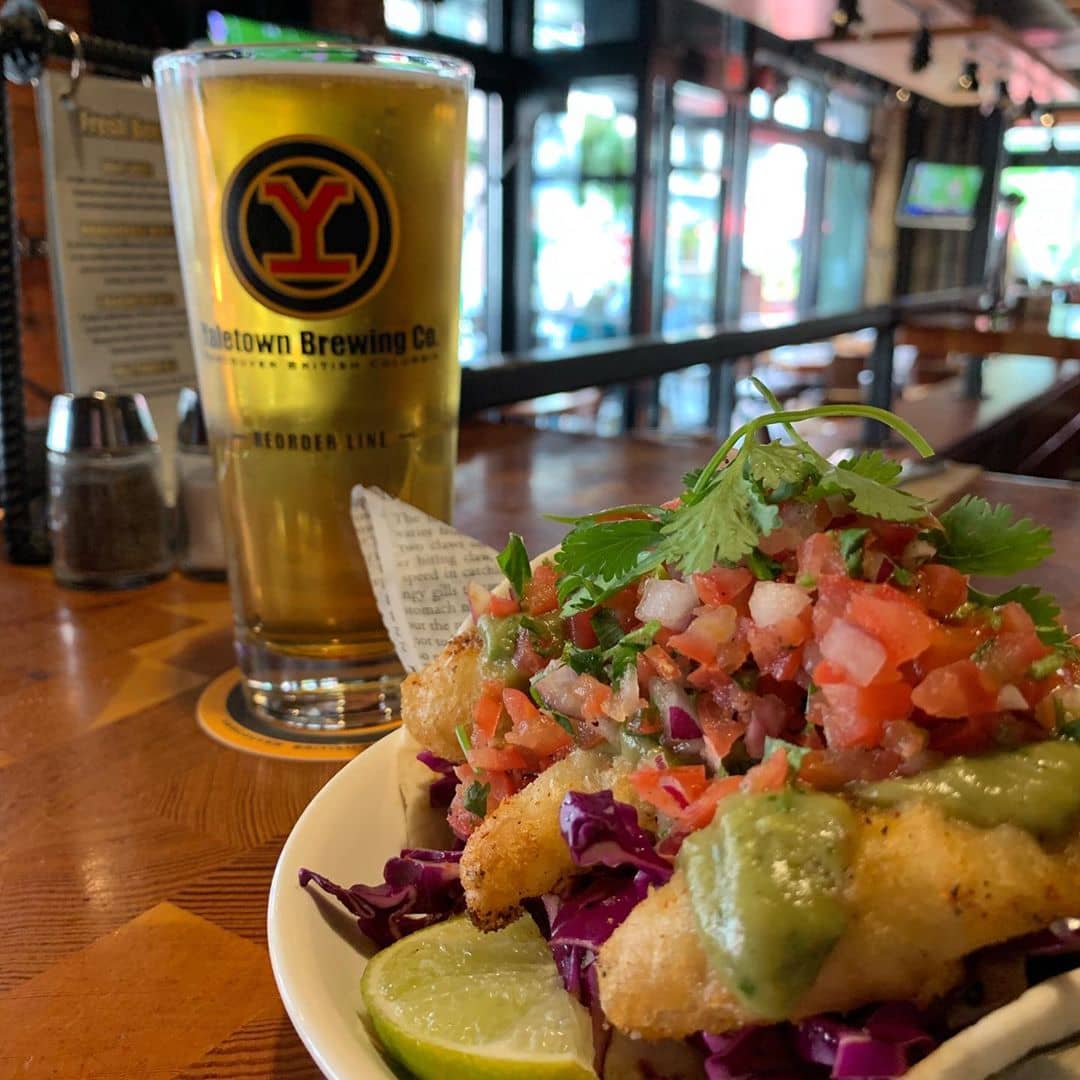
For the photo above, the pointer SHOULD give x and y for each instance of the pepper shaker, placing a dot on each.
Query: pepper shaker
(108, 521)
(200, 539)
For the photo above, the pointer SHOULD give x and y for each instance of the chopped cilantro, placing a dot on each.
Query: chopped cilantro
(513, 561)
(761, 566)
(607, 629)
(1044, 668)
(476, 797)
(852, 542)
(463, 738)
(584, 661)
(794, 753)
(563, 721)
(642, 637)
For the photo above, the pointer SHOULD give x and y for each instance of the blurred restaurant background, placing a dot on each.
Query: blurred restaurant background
(665, 196)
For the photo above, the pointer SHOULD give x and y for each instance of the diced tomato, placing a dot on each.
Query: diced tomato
(526, 659)
(670, 790)
(1015, 619)
(501, 786)
(890, 536)
(820, 554)
(949, 644)
(582, 633)
(941, 589)
(501, 606)
(770, 775)
(596, 702)
(663, 662)
(894, 620)
(828, 672)
(704, 636)
(520, 707)
(624, 603)
(959, 689)
(722, 585)
(856, 716)
(541, 592)
(543, 737)
(1008, 656)
(702, 810)
(786, 666)
(496, 760)
(720, 728)
(830, 770)
(487, 713)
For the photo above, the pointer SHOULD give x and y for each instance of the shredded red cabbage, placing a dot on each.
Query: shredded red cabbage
(441, 792)
(420, 887)
(602, 832)
(883, 1044)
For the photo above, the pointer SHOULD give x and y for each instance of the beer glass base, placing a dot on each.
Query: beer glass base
(321, 696)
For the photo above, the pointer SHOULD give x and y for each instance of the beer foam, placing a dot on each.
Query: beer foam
(450, 73)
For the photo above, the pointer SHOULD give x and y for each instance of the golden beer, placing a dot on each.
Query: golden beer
(317, 195)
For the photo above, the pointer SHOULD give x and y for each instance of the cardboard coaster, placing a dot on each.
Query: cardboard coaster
(224, 716)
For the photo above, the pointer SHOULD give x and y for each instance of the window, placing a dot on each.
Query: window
(1033, 139)
(558, 24)
(795, 107)
(582, 215)
(692, 244)
(481, 200)
(844, 226)
(774, 224)
(465, 20)
(846, 118)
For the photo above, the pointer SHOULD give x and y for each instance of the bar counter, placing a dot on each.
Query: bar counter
(136, 853)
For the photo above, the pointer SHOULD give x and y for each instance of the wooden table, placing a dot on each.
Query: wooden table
(136, 854)
(980, 335)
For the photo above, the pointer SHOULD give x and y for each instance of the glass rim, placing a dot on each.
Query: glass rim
(440, 65)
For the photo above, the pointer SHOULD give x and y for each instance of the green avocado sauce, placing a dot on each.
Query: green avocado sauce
(1036, 788)
(500, 637)
(766, 881)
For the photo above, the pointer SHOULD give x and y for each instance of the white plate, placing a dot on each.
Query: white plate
(357, 822)
(348, 831)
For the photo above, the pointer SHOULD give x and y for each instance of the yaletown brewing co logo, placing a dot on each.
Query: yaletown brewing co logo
(310, 226)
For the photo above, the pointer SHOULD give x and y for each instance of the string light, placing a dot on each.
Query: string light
(1047, 118)
(903, 95)
(969, 76)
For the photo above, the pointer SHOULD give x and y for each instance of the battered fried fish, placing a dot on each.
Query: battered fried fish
(443, 694)
(924, 891)
(518, 851)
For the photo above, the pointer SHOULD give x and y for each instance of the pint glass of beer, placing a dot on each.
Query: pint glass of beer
(317, 194)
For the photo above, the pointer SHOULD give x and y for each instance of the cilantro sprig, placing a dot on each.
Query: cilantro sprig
(977, 538)
(727, 506)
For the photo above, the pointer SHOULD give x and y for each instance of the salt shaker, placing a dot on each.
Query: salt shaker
(108, 521)
(200, 540)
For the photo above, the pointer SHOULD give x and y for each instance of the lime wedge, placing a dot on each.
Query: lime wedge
(453, 1003)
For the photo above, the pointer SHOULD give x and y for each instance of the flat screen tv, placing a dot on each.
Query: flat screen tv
(939, 196)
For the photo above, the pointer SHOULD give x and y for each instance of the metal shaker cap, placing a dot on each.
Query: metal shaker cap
(99, 423)
(192, 424)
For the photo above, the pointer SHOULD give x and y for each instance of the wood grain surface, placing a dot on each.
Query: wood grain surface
(136, 854)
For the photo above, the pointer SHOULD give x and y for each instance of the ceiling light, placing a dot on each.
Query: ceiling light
(921, 50)
(846, 16)
(969, 77)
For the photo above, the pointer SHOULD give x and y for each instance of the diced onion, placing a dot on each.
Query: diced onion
(850, 648)
(772, 602)
(671, 603)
